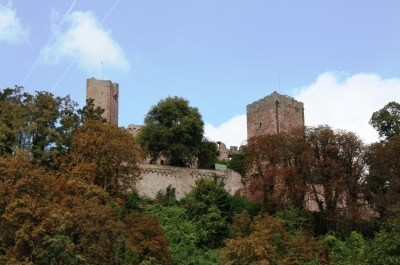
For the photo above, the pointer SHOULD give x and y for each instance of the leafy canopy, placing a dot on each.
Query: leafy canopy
(174, 130)
(387, 120)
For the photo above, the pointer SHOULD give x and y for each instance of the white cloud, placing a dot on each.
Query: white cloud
(347, 102)
(336, 99)
(88, 42)
(11, 30)
(231, 133)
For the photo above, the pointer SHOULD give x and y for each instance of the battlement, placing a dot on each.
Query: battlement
(273, 114)
(155, 177)
(134, 129)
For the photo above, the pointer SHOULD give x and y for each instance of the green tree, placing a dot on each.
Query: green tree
(349, 252)
(41, 124)
(184, 235)
(208, 206)
(174, 130)
(90, 112)
(236, 163)
(387, 120)
(385, 247)
(208, 154)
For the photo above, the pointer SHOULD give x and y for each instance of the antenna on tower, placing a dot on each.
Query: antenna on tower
(102, 64)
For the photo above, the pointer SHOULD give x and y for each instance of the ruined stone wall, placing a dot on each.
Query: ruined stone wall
(155, 177)
(134, 129)
(273, 114)
(224, 152)
(105, 95)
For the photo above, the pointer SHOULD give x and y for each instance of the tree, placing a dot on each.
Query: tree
(387, 120)
(207, 155)
(146, 237)
(318, 166)
(184, 235)
(104, 155)
(174, 130)
(352, 251)
(265, 241)
(385, 247)
(382, 180)
(90, 112)
(208, 206)
(236, 163)
(41, 124)
(270, 166)
(62, 217)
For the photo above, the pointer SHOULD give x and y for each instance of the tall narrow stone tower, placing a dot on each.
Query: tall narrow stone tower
(273, 114)
(105, 95)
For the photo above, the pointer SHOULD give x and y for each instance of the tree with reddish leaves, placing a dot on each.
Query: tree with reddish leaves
(104, 155)
(264, 240)
(146, 237)
(383, 179)
(271, 170)
(335, 171)
(68, 215)
(317, 167)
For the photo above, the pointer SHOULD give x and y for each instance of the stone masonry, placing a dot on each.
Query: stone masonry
(134, 129)
(224, 152)
(155, 177)
(273, 114)
(105, 95)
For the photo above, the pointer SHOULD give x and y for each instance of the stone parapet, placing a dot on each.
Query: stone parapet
(156, 177)
(134, 129)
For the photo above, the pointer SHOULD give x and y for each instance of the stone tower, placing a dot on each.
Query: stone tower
(273, 114)
(105, 95)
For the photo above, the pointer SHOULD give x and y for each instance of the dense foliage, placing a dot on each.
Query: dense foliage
(387, 120)
(69, 216)
(316, 166)
(64, 177)
(66, 198)
(174, 130)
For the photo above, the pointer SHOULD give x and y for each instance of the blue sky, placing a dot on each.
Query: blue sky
(341, 58)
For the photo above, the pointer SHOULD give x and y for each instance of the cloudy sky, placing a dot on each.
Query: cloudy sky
(341, 58)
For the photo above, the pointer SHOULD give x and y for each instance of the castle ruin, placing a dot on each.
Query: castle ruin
(273, 114)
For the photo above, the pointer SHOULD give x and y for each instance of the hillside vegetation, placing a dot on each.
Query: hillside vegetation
(66, 198)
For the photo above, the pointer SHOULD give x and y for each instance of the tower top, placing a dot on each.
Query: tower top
(273, 114)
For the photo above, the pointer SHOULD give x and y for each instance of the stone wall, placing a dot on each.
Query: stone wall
(224, 152)
(134, 129)
(273, 114)
(155, 177)
(105, 95)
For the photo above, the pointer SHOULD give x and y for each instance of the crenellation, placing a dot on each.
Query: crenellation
(270, 115)
(182, 179)
(134, 129)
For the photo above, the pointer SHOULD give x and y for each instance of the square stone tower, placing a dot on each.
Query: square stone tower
(273, 114)
(105, 95)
